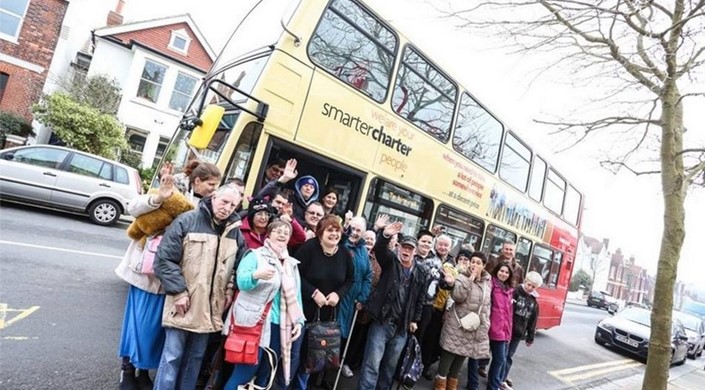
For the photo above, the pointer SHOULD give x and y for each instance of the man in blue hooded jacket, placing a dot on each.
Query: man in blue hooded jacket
(306, 192)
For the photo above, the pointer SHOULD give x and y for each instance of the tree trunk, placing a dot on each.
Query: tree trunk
(672, 184)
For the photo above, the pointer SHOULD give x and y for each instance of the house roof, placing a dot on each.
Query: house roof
(594, 244)
(155, 35)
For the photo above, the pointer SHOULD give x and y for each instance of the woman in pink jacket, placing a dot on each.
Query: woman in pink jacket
(501, 315)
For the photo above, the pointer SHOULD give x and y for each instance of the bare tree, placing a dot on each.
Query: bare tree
(648, 55)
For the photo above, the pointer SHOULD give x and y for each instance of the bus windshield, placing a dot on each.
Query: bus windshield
(261, 27)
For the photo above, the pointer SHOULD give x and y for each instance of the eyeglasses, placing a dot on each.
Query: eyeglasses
(319, 215)
(281, 231)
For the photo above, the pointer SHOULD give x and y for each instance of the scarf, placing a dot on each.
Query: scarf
(290, 312)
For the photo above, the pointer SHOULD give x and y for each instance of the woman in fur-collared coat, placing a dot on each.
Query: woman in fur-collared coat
(471, 293)
(142, 337)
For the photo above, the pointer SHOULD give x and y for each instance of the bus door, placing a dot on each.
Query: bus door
(346, 181)
(547, 262)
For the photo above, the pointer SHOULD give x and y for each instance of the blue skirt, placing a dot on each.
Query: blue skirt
(142, 337)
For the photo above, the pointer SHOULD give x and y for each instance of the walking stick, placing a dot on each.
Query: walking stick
(345, 351)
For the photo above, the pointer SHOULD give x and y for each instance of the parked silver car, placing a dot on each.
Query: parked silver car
(695, 329)
(68, 179)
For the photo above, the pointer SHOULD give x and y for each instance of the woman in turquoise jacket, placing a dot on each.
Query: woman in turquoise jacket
(268, 274)
(360, 291)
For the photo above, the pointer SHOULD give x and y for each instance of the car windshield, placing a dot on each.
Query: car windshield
(640, 316)
(688, 321)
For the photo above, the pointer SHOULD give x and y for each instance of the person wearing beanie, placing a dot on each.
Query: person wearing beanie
(254, 227)
(306, 192)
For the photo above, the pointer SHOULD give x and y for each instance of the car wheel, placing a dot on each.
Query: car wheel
(104, 212)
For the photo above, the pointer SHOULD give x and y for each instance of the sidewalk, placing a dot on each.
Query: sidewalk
(693, 379)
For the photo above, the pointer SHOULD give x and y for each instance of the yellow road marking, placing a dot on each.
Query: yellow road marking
(59, 249)
(571, 375)
(24, 313)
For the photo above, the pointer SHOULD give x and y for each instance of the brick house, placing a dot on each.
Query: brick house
(616, 284)
(158, 64)
(29, 33)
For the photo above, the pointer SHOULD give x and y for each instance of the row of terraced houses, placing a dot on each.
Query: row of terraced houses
(157, 63)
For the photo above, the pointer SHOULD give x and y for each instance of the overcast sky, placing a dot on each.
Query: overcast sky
(626, 209)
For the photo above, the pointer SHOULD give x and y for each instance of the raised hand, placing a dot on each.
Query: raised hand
(290, 171)
(393, 228)
(166, 188)
(382, 221)
(348, 217)
(167, 169)
(287, 209)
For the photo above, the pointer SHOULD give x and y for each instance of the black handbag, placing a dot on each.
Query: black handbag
(323, 340)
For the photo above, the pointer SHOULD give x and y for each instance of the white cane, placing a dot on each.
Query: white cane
(345, 351)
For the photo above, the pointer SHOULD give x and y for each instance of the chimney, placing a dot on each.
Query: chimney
(115, 17)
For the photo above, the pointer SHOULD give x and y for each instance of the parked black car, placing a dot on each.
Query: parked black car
(602, 300)
(630, 329)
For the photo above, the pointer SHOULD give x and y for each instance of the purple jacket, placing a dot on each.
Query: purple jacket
(501, 313)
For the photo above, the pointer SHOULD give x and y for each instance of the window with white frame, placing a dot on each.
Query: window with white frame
(151, 81)
(179, 41)
(161, 148)
(136, 140)
(12, 13)
(183, 91)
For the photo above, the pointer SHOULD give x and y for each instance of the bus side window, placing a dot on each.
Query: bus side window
(409, 207)
(356, 47)
(522, 252)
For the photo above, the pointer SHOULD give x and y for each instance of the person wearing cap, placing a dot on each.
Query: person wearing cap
(305, 192)
(395, 308)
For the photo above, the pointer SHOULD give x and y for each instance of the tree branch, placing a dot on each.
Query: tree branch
(619, 164)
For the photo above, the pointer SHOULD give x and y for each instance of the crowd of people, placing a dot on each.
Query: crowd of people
(199, 266)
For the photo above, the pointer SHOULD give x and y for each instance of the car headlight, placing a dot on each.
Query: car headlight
(605, 325)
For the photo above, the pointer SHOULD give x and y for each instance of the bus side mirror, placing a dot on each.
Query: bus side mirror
(203, 133)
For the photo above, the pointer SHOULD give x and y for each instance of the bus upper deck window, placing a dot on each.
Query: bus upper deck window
(355, 47)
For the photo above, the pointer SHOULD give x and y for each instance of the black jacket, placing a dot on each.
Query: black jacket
(390, 279)
(526, 313)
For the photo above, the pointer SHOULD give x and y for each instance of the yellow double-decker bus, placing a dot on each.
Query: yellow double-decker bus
(368, 113)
